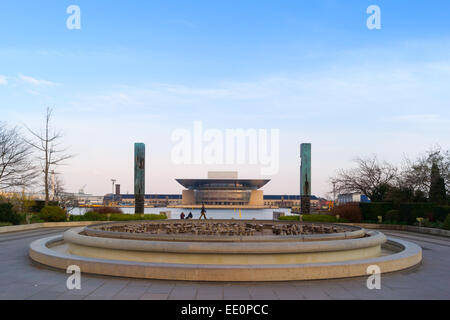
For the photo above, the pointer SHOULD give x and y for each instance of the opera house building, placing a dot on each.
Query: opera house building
(223, 189)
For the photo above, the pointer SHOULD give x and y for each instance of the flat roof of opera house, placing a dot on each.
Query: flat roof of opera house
(223, 183)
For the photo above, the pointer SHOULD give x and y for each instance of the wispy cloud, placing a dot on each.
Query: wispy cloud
(36, 82)
(395, 93)
(416, 118)
(3, 80)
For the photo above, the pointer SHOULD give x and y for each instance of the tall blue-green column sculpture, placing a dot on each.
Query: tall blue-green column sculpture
(139, 177)
(305, 178)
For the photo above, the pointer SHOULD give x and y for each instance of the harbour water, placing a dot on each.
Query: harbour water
(244, 214)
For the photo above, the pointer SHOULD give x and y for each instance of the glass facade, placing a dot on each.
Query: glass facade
(222, 197)
(222, 192)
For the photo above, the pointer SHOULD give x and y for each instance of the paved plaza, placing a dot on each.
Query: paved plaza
(21, 278)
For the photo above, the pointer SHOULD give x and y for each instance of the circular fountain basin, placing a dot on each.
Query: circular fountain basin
(225, 250)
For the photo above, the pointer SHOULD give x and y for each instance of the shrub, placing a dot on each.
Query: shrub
(5, 224)
(8, 215)
(129, 217)
(313, 218)
(321, 218)
(89, 216)
(106, 210)
(52, 214)
(38, 205)
(446, 225)
(440, 213)
(289, 218)
(372, 210)
(409, 212)
(392, 216)
(94, 216)
(429, 224)
(349, 212)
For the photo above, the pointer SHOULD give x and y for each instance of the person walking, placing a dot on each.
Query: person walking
(203, 212)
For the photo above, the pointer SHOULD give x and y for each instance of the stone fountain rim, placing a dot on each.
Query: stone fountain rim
(75, 236)
(353, 233)
(407, 255)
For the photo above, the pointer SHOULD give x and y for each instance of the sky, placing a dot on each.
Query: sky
(137, 71)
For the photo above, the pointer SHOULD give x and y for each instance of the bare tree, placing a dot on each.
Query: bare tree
(416, 174)
(65, 199)
(16, 167)
(48, 146)
(371, 178)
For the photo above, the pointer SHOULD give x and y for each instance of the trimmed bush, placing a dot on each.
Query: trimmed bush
(8, 215)
(5, 224)
(446, 225)
(289, 218)
(93, 216)
(52, 214)
(38, 205)
(349, 212)
(440, 213)
(392, 216)
(128, 217)
(312, 218)
(372, 210)
(106, 210)
(409, 212)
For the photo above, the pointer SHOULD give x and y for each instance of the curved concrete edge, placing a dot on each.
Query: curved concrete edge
(409, 256)
(397, 227)
(27, 227)
(73, 236)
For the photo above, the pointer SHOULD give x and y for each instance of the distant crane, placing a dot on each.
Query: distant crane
(81, 190)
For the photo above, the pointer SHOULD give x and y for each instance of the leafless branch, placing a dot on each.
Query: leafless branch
(46, 142)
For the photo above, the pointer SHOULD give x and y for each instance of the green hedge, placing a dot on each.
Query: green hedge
(94, 216)
(409, 212)
(446, 225)
(5, 224)
(404, 212)
(372, 210)
(440, 213)
(392, 216)
(8, 215)
(52, 214)
(312, 218)
(38, 205)
(289, 218)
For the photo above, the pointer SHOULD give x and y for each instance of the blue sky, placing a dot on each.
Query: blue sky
(137, 70)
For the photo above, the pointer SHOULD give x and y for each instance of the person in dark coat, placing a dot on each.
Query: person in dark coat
(203, 213)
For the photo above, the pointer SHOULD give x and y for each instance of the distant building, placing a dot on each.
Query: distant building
(161, 200)
(150, 200)
(290, 201)
(83, 199)
(223, 189)
(352, 198)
